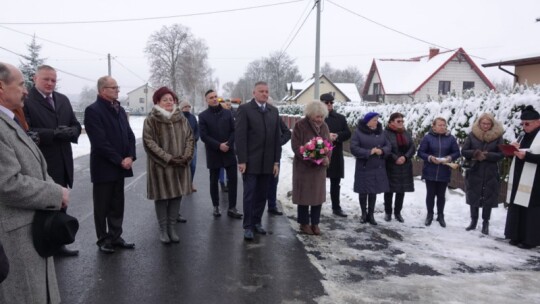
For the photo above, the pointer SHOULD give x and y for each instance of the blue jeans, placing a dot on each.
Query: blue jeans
(222, 177)
(193, 163)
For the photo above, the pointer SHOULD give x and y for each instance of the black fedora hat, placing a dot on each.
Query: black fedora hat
(51, 230)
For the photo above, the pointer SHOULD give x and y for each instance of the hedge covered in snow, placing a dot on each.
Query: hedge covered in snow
(460, 112)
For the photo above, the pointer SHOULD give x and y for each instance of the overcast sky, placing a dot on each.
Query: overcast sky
(486, 29)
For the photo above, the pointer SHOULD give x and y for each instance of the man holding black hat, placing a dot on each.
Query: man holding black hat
(339, 133)
(26, 187)
(523, 218)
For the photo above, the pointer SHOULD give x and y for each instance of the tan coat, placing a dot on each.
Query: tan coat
(164, 138)
(309, 179)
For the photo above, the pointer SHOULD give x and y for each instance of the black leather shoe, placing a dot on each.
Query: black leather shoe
(514, 242)
(371, 219)
(440, 219)
(363, 219)
(63, 251)
(525, 246)
(275, 212)
(224, 188)
(181, 219)
(429, 219)
(248, 235)
(106, 248)
(339, 212)
(387, 217)
(123, 244)
(259, 229)
(234, 213)
(399, 218)
(216, 213)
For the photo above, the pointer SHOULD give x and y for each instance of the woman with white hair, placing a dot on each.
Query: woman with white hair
(309, 178)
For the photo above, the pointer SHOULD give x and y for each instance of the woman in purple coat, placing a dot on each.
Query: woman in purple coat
(437, 148)
(370, 147)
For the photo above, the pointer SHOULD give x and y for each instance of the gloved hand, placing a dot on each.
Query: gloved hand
(177, 161)
(63, 133)
(479, 155)
(34, 136)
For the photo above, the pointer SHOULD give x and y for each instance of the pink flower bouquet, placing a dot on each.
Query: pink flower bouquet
(316, 149)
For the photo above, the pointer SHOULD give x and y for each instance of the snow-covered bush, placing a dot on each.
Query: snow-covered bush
(460, 112)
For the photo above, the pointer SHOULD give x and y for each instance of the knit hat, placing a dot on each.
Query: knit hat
(370, 116)
(163, 91)
(183, 104)
(326, 97)
(529, 113)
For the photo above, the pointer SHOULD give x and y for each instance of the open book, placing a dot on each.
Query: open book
(508, 150)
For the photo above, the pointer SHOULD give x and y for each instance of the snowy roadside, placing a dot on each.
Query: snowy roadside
(409, 262)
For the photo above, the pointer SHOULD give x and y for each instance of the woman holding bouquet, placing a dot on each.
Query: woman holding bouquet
(370, 147)
(310, 143)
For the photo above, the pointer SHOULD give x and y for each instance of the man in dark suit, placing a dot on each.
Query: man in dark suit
(50, 114)
(216, 128)
(339, 133)
(112, 154)
(259, 151)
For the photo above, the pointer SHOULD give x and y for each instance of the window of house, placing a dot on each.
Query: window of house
(468, 85)
(376, 88)
(444, 87)
(141, 100)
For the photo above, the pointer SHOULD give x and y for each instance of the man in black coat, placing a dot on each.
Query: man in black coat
(216, 128)
(339, 133)
(112, 155)
(50, 114)
(258, 150)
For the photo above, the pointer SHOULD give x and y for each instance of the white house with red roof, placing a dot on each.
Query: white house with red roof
(424, 78)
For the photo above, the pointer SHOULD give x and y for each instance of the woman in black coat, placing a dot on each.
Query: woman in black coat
(482, 180)
(370, 147)
(398, 166)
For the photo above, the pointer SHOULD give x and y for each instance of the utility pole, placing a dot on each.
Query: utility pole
(317, 51)
(109, 63)
(146, 99)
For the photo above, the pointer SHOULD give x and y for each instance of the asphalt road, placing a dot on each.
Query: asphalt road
(211, 264)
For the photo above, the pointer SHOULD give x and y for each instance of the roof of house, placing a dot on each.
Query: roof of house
(142, 86)
(349, 90)
(408, 76)
(516, 60)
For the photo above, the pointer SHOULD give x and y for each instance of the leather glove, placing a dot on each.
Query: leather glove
(34, 136)
(479, 155)
(63, 133)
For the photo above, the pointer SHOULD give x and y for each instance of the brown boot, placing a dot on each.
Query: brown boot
(306, 229)
(315, 229)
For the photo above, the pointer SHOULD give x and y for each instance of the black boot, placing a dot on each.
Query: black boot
(485, 227)
(371, 211)
(429, 219)
(440, 219)
(363, 217)
(472, 225)
(387, 217)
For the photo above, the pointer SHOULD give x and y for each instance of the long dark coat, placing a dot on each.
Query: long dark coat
(370, 172)
(216, 126)
(437, 145)
(26, 187)
(164, 138)
(523, 224)
(258, 137)
(111, 140)
(400, 177)
(42, 118)
(337, 124)
(309, 179)
(482, 180)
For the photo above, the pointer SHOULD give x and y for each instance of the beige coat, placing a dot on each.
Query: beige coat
(26, 187)
(309, 179)
(164, 137)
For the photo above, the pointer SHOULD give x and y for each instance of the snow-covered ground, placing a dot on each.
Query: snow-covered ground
(406, 263)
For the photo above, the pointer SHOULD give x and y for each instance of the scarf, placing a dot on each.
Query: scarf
(401, 139)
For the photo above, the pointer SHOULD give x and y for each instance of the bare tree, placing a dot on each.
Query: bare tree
(86, 97)
(350, 74)
(228, 88)
(178, 60)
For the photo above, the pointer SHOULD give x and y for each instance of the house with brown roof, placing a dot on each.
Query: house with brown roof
(303, 92)
(424, 78)
(526, 67)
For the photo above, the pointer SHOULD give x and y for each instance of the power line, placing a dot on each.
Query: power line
(387, 27)
(133, 73)
(295, 34)
(297, 22)
(151, 18)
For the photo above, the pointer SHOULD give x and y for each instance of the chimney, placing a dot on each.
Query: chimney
(433, 52)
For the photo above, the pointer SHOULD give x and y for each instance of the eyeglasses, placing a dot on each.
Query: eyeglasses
(186, 107)
(399, 121)
(526, 124)
(328, 102)
(114, 88)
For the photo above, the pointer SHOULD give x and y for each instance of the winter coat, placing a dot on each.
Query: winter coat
(194, 125)
(437, 145)
(258, 137)
(400, 177)
(26, 187)
(111, 140)
(370, 172)
(309, 179)
(337, 124)
(43, 119)
(482, 180)
(216, 126)
(164, 138)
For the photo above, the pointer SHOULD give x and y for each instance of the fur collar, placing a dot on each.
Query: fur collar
(492, 134)
(163, 114)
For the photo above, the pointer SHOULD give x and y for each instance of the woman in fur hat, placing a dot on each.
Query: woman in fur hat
(482, 180)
